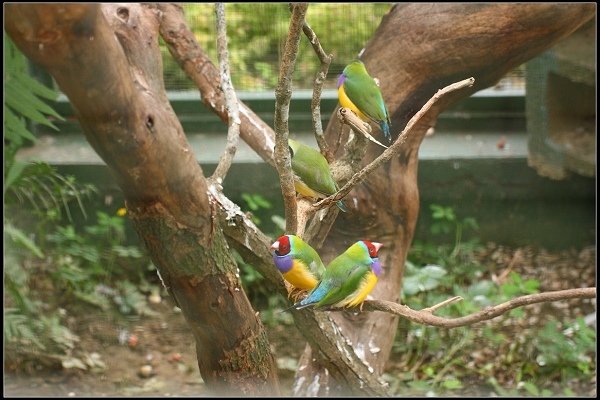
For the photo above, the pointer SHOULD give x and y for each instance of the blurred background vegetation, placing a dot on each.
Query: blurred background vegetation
(257, 32)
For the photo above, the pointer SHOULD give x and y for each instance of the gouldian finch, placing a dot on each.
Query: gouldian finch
(358, 91)
(312, 175)
(299, 263)
(348, 279)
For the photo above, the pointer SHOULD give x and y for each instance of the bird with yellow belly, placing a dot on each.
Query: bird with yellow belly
(348, 279)
(358, 92)
(299, 264)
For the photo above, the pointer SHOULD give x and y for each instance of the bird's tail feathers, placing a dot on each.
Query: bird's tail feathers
(297, 306)
(301, 306)
(385, 127)
(342, 206)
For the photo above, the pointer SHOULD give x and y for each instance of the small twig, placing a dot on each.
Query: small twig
(427, 318)
(348, 117)
(283, 94)
(397, 145)
(500, 279)
(231, 101)
(305, 212)
(444, 303)
(315, 104)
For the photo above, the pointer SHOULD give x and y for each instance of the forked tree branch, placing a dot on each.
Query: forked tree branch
(231, 101)
(426, 316)
(397, 145)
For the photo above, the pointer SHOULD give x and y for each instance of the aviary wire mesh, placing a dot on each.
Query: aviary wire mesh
(257, 33)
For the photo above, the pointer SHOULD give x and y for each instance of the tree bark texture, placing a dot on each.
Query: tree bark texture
(417, 50)
(106, 59)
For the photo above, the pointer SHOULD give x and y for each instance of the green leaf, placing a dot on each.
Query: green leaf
(14, 172)
(531, 286)
(531, 388)
(433, 271)
(452, 384)
(426, 278)
(470, 222)
(516, 313)
(482, 288)
(26, 104)
(39, 89)
(19, 237)
(15, 127)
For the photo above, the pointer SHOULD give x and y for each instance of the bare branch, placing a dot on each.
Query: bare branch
(444, 303)
(425, 317)
(315, 104)
(348, 117)
(231, 101)
(398, 144)
(305, 210)
(283, 95)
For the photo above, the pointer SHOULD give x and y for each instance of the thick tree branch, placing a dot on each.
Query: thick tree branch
(247, 238)
(283, 95)
(431, 108)
(106, 59)
(231, 101)
(426, 317)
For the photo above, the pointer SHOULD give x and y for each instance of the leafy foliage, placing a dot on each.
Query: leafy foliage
(23, 101)
(439, 361)
(44, 252)
(256, 202)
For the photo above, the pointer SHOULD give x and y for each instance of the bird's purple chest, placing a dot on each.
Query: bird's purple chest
(376, 267)
(283, 263)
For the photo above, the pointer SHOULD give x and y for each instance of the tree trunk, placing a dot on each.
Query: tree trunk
(106, 59)
(417, 50)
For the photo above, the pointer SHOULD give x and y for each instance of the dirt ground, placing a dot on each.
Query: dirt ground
(155, 356)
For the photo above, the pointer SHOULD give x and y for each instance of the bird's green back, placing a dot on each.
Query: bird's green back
(362, 90)
(344, 275)
(304, 252)
(312, 168)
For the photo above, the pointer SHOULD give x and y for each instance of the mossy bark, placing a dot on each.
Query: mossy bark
(106, 59)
